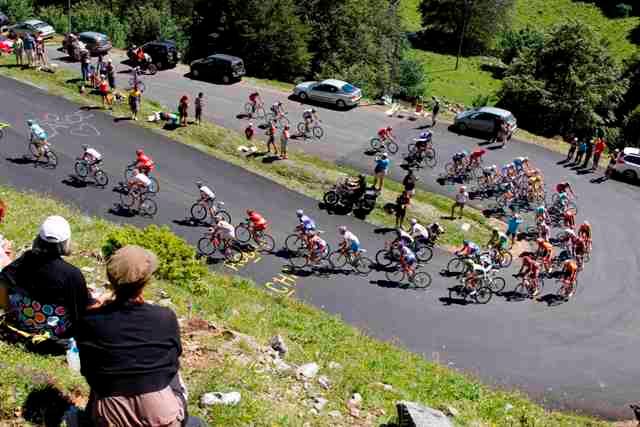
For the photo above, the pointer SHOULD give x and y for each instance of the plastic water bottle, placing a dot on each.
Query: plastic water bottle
(73, 356)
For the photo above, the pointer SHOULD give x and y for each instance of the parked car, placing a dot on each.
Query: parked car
(4, 20)
(224, 68)
(331, 91)
(163, 53)
(483, 119)
(628, 163)
(33, 27)
(95, 43)
(6, 44)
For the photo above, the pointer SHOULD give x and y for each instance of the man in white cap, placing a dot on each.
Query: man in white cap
(46, 293)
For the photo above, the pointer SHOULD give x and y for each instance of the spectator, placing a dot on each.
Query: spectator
(434, 112)
(512, 227)
(134, 102)
(6, 248)
(402, 203)
(271, 138)
(84, 66)
(110, 71)
(41, 53)
(611, 167)
(199, 106)
(129, 351)
(587, 154)
(29, 45)
(573, 145)
(249, 132)
(183, 110)
(105, 93)
(461, 199)
(497, 129)
(284, 141)
(598, 149)
(47, 294)
(380, 170)
(409, 183)
(582, 148)
(18, 49)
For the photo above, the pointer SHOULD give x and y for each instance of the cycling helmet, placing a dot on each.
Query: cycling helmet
(384, 155)
(139, 152)
(299, 213)
(219, 219)
(199, 184)
(425, 135)
(342, 229)
(494, 167)
(29, 122)
(586, 223)
(313, 110)
(462, 188)
(540, 209)
(250, 211)
(466, 242)
(414, 221)
(85, 147)
(389, 128)
(250, 124)
(286, 127)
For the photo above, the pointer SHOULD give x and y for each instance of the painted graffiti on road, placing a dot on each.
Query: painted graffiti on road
(247, 257)
(283, 284)
(75, 124)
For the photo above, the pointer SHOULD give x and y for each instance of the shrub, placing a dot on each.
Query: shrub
(56, 16)
(483, 101)
(631, 130)
(413, 78)
(177, 259)
(510, 44)
(17, 10)
(94, 16)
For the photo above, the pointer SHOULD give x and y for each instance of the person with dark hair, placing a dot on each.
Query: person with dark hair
(46, 293)
(129, 351)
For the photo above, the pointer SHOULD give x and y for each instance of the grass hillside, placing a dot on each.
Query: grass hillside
(470, 81)
(226, 325)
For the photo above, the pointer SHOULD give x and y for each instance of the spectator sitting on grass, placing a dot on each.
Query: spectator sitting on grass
(6, 248)
(130, 350)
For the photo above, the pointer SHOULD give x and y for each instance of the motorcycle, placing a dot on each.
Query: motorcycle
(342, 194)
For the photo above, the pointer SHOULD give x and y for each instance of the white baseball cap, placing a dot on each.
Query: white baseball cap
(55, 229)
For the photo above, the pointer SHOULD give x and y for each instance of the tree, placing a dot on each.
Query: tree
(413, 78)
(569, 85)
(631, 130)
(482, 20)
(511, 44)
(17, 10)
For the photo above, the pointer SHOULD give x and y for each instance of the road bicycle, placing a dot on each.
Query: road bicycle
(499, 258)
(428, 157)
(84, 169)
(202, 208)
(210, 243)
(527, 288)
(296, 242)
(246, 232)
(391, 252)
(470, 288)
(314, 131)
(256, 111)
(419, 279)
(385, 144)
(128, 174)
(459, 265)
(43, 154)
(357, 261)
(566, 291)
(280, 119)
(302, 258)
(2, 127)
(146, 205)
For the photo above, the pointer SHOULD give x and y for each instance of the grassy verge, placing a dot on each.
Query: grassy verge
(214, 362)
(303, 173)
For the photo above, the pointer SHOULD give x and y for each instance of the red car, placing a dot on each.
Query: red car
(6, 45)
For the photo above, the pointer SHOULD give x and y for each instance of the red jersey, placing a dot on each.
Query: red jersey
(599, 147)
(258, 221)
(145, 161)
(561, 188)
(477, 154)
(384, 133)
(248, 132)
(253, 97)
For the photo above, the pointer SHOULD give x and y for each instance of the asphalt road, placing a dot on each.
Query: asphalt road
(578, 355)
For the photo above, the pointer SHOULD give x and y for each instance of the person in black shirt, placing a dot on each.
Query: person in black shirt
(129, 351)
(47, 294)
(409, 183)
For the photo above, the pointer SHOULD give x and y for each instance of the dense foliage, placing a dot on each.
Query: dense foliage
(511, 44)
(569, 85)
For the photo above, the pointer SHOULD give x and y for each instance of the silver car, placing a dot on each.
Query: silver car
(483, 119)
(330, 91)
(33, 27)
(628, 163)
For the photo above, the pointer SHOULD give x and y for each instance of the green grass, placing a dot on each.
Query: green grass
(213, 362)
(304, 173)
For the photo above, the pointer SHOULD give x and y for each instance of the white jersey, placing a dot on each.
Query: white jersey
(307, 114)
(350, 238)
(225, 230)
(405, 236)
(206, 190)
(419, 230)
(93, 153)
(142, 179)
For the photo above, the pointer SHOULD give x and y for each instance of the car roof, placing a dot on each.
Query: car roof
(33, 22)
(632, 150)
(162, 43)
(334, 82)
(93, 34)
(230, 58)
(495, 111)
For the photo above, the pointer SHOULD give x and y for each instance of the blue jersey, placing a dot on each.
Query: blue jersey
(38, 132)
(307, 223)
(473, 249)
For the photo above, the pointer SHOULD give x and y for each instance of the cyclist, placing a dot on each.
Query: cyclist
(469, 250)
(137, 185)
(459, 161)
(419, 232)
(317, 248)
(423, 141)
(143, 162)
(579, 251)
(569, 218)
(541, 215)
(38, 136)
(255, 101)
(569, 275)
(306, 225)
(544, 231)
(475, 271)
(91, 156)
(569, 239)
(402, 237)
(385, 133)
(207, 196)
(257, 221)
(545, 252)
(563, 187)
(490, 173)
(277, 108)
(499, 241)
(530, 269)
(350, 241)
(435, 230)
(223, 231)
(521, 164)
(309, 116)
(475, 159)
(584, 232)
(408, 260)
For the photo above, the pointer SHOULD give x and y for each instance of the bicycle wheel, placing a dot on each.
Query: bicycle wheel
(506, 259)
(392, 147)
(331, 198)
(337, 259)
(411, 148)
(449, 169)
(265, 241)
(148, 207)
(205, 246)
(127, 199)
(301, 128)
(299, 260)
(294, 243)
(383, 258)
(376, 144)
(421, 280)
(424, 253)
(128, 172)
(154, 187)
(102, 179)
(396, 275)
(363, 265)
(199, 212)
(243, 234)
(430, 157)
(226, 216)
(318, 132)
(456, 266)
(248, 108)
(231, 254)
(82, 168)
(497, 284)
(483, 295)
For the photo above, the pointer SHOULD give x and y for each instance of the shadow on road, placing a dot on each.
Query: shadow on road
(75, 182)
(122, 211)
(191, 222)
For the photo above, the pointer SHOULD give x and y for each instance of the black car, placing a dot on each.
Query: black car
(163, 53)
(95, 43)
(218, 67)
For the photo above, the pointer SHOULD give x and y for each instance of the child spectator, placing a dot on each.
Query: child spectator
(199, 104)
(249, 131)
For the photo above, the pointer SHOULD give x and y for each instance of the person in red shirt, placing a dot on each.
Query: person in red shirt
(144, 163)
(545, 251)
(531, 270)
(258, 223)
(103, 88)
(476, 157)
(598, 148)
(569, 218)
(271, 138)
(249, 132)
(385, 133)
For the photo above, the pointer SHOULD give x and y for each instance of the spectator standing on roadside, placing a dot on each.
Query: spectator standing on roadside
(134, 102)
(573, 145)
(461, 199)
(284, 141)
(587, 154)
(409, 183)
(380, 170)
(582, 148)
(105, 93)
(402, 203)
(41, 54)
(18, 49)
(84, 66)
(183, 110)
(130, 351)
(434, 112)
(271, 138)
(249, 132)
(110, 71)
(598, 149)
(199, 105)
(512, 227)
(29, 45)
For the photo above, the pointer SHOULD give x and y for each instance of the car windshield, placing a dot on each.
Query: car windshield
(40, 25)
(510, 119)
(349, 88)
(238, 66)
